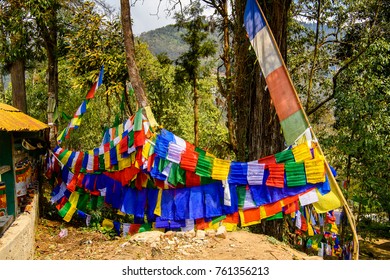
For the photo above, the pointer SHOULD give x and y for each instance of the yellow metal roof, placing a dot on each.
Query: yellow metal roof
(12, 119)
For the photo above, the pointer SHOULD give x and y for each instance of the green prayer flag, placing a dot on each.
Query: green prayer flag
(204, 166)
(295, 174)
(131, 138)
(62, 212)
(284, 156)
(172, 178)
(241, 193)
(65, 116)
(93, 202)
(116, 122)
(122, 105)
(275, 217)
(61, 155)
(181, 176)
(294, 126)
(83, 201)
(218, 219)
(145, 227)
(162, 164)
(100, 201)
(101, 162)
(138, 120)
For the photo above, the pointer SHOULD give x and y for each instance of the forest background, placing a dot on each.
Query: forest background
(337, 53)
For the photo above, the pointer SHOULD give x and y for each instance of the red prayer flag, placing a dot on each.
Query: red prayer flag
(91, 92)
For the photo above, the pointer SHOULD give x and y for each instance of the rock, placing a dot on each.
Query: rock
(190, 234)
(221, 232)
(183, 252)
(200, 234)
(210, 232)
(180, 234)
(169, 234)
(147, 236)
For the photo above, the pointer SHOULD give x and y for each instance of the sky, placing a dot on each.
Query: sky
(143, 14)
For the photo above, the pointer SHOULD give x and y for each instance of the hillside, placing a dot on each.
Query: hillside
(167, 40)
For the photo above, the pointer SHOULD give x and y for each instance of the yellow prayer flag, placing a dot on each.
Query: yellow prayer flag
(124, 163)
(150, 116)
(315, 171)
(145, 150)
(120, 130)
(220, 169)
(70, 213)
(157, 210)
(65, 158)
(73, 200)
(302, 152)
(61, 134)
(329, 201)
(107, 162)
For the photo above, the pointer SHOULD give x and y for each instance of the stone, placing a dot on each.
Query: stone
(147, 236)
(221, 232)
(190, 234)
(210, 232)
(200, 234)
(169, 234)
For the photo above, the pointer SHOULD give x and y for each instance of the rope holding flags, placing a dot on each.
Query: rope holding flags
(75, 121)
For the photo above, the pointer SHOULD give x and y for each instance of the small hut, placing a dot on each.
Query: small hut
(22, 141)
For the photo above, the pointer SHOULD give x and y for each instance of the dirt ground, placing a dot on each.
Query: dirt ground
(86, 244)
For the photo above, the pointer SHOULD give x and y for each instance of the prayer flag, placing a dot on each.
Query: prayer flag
(285, 100)
(95, 86)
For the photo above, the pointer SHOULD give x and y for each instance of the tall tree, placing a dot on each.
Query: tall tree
(199, 47)
(362, 117)
(135, 78)
(14, 45)
(255, 112)
(46, 18)
(225, 82)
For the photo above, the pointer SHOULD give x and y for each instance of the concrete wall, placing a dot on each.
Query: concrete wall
(18, 242)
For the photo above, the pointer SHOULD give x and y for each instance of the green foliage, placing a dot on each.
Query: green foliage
(351, 68)
(363, 123)
(196, 37)
(94, 41)
(16, 33)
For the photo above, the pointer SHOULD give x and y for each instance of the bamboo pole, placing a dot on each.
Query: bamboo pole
(328, 170)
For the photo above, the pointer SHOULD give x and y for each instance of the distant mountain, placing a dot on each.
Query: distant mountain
(168, 40)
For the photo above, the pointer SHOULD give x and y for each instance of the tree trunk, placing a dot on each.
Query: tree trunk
(196, 113)
(267, 137)
(52, 80)
(258, 129)
(52, 101)
(135, 78)
(18, 85)
(228, 73)
(242, 80)
(2, 90)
